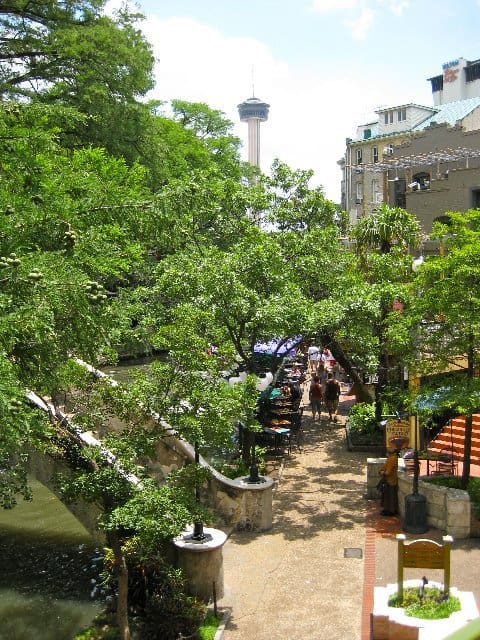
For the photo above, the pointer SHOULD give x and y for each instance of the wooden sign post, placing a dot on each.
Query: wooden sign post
(426, 554)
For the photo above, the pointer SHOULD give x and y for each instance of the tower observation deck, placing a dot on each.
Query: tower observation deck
(253, 111)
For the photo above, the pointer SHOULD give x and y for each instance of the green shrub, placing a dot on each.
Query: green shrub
(362, 426)
(169, 611)
(209, 627)
(432, 606)
(102, 628)
(362, 418)
(238, 468)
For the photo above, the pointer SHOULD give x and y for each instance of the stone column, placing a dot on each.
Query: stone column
(202, 562)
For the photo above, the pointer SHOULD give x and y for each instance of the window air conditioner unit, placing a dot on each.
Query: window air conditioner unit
(359, 201)
(388, 150)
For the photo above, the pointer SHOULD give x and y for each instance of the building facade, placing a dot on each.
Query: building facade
(403, 154)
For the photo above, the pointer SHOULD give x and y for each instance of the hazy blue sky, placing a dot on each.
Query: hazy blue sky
(324, 66)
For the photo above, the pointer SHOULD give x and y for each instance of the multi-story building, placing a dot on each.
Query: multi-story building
(410, 149)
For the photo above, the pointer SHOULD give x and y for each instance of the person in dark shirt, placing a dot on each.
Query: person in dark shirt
(332, 396)
(315, 395)
(389, 473)
(295, 391)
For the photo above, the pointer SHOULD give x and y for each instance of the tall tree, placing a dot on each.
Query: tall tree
(383, 241)
(445, 322)
(66, 245)
(70, 53)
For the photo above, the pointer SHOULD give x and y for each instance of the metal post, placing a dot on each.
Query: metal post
(253, 477)
(197, 525)
(415, 503)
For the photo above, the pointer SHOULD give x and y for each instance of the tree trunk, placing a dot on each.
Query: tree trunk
(467, 450)
(467, 443)
(122, 575)
(383, 364)
(338, 353)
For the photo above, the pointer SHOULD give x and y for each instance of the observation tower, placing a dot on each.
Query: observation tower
(253, 111)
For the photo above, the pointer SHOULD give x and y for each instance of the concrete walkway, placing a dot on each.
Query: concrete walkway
(304, 577)
(312, 575)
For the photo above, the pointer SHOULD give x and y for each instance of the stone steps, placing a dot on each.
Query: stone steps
(451, 439)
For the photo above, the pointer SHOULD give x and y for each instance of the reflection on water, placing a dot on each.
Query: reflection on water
(125, 370)
(49, 569)
(36, 617)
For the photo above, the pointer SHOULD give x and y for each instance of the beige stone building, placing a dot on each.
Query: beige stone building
(425, 159)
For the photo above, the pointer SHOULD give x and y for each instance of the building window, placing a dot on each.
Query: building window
(388, 117)
(437, 82)
(374, 154)
(359, 192)
(359, 156)
(420, 181)
(376, 193)
(402, 114)
(475, 198)
(472, 72)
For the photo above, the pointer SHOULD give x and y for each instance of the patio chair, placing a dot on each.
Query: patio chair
(445, 463)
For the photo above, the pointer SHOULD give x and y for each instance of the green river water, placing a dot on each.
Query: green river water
(48, 570)
(49, 565)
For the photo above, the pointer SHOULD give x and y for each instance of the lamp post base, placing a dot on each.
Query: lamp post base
(415, 513)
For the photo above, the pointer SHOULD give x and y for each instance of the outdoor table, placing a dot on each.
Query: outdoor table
(277, 422)
(280, 434)
(436, 458)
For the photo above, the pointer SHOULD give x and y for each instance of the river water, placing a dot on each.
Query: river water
(49, 567)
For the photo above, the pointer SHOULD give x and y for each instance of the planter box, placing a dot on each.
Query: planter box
(391, 623)
(373, 449)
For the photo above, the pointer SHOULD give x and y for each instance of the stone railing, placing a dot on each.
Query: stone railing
(235, 503)
(449, 510)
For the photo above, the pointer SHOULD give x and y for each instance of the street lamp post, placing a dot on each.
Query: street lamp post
(198, 534)
(415, 503)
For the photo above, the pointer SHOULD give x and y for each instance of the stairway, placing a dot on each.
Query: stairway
(451, 439)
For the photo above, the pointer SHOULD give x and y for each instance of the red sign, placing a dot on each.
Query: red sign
(450, 75)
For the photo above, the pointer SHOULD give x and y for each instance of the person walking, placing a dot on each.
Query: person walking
(315, 395)
(313, 357)
(332, 396)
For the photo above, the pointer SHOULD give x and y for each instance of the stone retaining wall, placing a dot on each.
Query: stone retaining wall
(447, 509)
(235, 503)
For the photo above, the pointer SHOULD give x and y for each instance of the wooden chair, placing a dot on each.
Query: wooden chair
(445, 463)
(296, 430)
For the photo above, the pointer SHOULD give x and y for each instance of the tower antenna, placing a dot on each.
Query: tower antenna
(253, 82)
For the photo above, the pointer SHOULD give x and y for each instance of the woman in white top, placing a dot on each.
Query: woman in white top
(313, 357)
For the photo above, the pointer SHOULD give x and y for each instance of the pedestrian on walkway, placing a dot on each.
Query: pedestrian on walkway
(313, 357)
(315, 396)
(332, 396)
(323, 375)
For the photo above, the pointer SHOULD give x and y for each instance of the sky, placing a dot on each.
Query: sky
(323, 66)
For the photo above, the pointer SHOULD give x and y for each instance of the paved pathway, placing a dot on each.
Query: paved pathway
(312, 575)
(303, 578)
